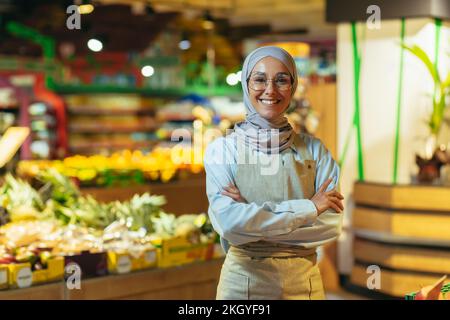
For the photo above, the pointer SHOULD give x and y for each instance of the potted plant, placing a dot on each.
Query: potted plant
(436, 157)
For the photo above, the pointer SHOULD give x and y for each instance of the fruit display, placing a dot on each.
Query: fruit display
(163, 164)
(51, 220)
(436, 291)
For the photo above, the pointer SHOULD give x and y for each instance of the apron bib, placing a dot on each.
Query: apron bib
(266, 270)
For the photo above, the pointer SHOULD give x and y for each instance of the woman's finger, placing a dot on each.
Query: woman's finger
(338, 202)
(325, 185)
(334, 193)
(335, 207)
(231, 195)
(232, 190)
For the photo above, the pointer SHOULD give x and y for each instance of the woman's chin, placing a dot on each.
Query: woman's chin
(270, 115)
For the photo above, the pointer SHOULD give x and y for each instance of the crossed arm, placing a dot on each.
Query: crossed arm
(302, 221)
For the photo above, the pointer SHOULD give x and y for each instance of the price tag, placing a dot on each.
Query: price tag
(123, 264)
(3, 277)
(24, 277)
(150, 256)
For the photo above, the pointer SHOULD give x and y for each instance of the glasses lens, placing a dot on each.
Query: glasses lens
(258, 83)
(283, 83)
(261, 83)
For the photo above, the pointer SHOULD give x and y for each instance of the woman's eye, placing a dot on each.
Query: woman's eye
(259, 80)
(282, 81)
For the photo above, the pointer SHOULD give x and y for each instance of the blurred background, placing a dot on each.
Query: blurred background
(106, 108)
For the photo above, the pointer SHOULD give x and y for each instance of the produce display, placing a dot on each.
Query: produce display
(436, 291)
(51, 220)
(122, 168)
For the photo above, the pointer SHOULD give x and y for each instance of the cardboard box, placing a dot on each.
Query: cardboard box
(124, 262)
(20, 275)
(91, 264)
(4, 277)
(180, 250)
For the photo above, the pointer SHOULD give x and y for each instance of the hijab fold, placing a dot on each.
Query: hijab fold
(255, 131)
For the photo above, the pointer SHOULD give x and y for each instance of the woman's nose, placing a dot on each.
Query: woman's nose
(270, 87)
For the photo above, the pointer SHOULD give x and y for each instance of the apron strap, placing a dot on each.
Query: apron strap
(301, 148)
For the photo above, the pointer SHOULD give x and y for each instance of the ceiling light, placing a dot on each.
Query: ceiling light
(85, 8)
(95, 45)
(232, 79)
(184, 44)
(147, 71)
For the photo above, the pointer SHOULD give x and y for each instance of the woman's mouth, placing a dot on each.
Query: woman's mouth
(269, 102)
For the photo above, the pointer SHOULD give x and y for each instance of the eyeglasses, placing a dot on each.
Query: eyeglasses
(260, 83)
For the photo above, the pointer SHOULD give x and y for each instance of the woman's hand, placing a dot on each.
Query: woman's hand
(234, 193)
(327, 200)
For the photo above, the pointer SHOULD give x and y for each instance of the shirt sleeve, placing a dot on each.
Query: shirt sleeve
(241, 223)
(328, 225)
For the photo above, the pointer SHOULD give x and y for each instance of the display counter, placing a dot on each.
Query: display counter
(191, 281)
(184, 196)
(403, 229)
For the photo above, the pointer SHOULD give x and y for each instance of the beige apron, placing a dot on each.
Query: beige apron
(265, 270)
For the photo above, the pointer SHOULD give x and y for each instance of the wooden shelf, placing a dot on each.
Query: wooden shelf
(110, 112)
(404, 229)
(94, 89)
(111, 145)
(425, 225)
(416, 197)
(194, 281)
(394, 283)
(111, 129)
(184, 196)
(402, 257)
(191, 281)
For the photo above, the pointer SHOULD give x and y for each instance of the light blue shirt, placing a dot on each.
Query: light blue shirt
(292, 222)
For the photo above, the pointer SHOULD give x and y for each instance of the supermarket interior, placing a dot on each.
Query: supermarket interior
(107, 108)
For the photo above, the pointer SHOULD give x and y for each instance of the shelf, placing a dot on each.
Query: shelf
(109, 112)
(94, 146)
(176, 119)
(89, 129)
(405, 257)
(184, 196)
(397, 283)
(414, 197)
(9, 109)
(93, 89)
(190, 281)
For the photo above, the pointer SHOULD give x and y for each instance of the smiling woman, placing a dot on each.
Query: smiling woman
(270, 88)
(271, 223)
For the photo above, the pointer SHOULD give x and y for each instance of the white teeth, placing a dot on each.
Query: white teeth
(269, 102)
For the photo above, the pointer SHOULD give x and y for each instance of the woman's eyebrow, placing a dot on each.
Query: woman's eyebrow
(260, 73)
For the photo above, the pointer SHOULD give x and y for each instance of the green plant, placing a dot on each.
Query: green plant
(442, 88)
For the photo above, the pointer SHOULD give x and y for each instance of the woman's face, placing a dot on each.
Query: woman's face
(270, 102)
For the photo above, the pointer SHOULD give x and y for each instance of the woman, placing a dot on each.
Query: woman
(271, 192)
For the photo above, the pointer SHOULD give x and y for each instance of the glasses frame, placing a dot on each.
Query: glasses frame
(267, 84)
